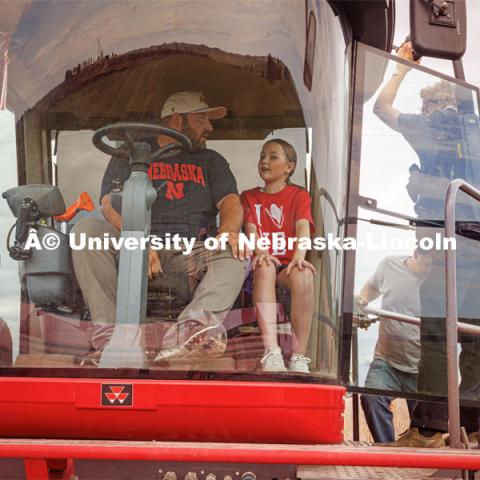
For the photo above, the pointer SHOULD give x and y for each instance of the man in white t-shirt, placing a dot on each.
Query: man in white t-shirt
(397, 280)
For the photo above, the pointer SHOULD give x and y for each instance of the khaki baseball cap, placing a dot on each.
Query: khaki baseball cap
(190, 102)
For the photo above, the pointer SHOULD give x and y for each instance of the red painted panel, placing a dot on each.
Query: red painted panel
(172, 410)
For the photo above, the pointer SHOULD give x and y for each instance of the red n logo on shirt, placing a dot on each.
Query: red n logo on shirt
(174, 191)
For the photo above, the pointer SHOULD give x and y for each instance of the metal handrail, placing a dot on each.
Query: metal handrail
(465, 328)
(451, 308)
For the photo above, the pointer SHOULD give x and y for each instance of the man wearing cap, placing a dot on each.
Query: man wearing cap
(192, 188)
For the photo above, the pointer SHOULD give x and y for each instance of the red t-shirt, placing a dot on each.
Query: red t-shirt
(277, 213)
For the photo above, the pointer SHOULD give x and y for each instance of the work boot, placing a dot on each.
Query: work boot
(473, 438)
(413, 438)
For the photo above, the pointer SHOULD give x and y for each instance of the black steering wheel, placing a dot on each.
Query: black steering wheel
(130, 131)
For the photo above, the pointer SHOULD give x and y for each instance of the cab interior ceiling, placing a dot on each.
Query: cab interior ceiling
(257, 91)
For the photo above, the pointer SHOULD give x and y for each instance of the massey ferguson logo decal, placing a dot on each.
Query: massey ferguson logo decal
(117, 395)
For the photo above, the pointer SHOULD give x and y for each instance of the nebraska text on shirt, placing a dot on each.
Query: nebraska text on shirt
(176, 172)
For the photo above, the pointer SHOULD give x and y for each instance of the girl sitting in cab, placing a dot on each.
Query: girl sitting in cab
(279, 210)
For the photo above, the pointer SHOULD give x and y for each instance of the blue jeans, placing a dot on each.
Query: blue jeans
(383, 376)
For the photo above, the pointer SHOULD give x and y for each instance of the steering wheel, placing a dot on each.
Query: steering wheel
(127, 132)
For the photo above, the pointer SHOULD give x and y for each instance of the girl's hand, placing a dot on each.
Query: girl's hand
(301, 264)
(265, 259)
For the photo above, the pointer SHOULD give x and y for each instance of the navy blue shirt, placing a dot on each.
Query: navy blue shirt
(440, 144)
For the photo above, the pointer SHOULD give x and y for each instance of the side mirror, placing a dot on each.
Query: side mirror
(438, 28)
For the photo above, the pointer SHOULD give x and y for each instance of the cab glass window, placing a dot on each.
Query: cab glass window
(128, 151)
(418, 131)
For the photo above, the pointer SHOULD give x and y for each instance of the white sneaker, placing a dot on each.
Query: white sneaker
(272, 361)
(299, 363)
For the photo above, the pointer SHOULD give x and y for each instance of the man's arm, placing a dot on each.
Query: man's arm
(383, 107)
(367, 294)
(231, 219)
(110, 214)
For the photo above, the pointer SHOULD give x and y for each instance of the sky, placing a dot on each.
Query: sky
(8, 268)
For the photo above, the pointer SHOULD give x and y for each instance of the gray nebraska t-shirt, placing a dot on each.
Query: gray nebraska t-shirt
(398, 342)
(188, 186)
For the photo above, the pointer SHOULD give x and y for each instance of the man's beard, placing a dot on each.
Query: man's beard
(197, 143)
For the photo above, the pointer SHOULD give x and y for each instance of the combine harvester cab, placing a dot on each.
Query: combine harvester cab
(85, 85)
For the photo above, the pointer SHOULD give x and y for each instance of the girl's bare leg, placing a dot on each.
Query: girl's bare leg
(300, 283)
(265, 301)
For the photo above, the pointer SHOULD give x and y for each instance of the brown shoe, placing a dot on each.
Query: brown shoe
(413, 438)
(190, 339)
(91, 359)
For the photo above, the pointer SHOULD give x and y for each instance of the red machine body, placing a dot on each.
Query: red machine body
(171, 410)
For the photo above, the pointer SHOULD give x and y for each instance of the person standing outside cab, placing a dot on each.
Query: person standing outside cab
(436, 137)
(192, 188)
(397, 279)
(280, 210)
